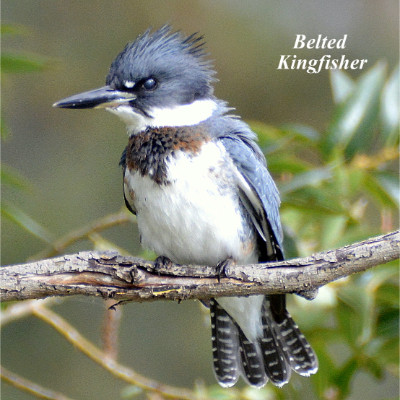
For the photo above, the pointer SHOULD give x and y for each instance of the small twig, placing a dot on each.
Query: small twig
(111, 323)
(30, 387)
(99, 225)
(111, 275)
(89, 349)
(22, 309)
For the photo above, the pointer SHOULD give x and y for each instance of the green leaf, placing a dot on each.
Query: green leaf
(390, 183)
(390, 108)
(313, 201)
(289, 244)
(333, 228)
(349, 324)
(342, 85)
(355, 180)
(355, 115)
(288, 164)
(309, 178)
(324, 377)
(345, 375)
(302, 131)
(388, 322)
(388, 294)
(355, 314)
(16, 63)
(12, 178)
(388, 352)
(388, 273)
(26, 222)
(373, 367)
(384, 188)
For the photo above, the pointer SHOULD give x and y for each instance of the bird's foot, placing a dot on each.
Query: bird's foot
(162, 263)
(221, 267)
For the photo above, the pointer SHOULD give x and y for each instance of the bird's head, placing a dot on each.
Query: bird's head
(160, 79)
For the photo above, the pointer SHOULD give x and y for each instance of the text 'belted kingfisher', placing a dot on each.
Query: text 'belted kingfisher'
(199, 186)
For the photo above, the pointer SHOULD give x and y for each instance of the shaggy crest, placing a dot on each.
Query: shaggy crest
(166, 55)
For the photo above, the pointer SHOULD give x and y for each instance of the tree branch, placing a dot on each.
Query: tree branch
(109, 364)
(30, 387)
(111, 275)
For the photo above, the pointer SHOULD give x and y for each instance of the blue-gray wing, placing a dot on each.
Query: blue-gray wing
(257, 189)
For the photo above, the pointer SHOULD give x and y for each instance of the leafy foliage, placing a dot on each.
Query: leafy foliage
(337, 187)
(17, 63)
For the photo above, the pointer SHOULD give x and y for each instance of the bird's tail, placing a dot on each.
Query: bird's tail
(225, 345)
(281, 349)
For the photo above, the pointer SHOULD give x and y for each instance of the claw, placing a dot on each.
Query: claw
(162, 263)
(221, 267)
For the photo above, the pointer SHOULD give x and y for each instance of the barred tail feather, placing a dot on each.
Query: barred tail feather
(293, 343)
(252, 362)
(275, 362)
(225, 346)
(281, 348)
(301, 356)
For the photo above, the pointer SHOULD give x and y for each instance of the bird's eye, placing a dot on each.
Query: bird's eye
(149, 84)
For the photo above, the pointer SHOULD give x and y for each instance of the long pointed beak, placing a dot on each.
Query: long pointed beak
(98, 98)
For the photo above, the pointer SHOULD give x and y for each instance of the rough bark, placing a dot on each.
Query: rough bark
(111, 275)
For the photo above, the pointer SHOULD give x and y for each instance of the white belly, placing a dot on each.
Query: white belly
(196, 218)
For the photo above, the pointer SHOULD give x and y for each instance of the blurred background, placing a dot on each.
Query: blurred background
(68, 160)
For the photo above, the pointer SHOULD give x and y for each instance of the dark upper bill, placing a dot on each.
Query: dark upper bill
(97, 98)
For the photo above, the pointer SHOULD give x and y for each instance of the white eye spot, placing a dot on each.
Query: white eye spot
(129, 84)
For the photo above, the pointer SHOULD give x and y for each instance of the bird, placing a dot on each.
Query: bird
(198, 183)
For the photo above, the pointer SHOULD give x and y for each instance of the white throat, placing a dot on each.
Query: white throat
(182, 115)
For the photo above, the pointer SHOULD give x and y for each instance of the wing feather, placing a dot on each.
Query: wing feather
(257, 189)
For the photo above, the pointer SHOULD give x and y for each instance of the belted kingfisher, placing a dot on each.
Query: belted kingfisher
(199, 186)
